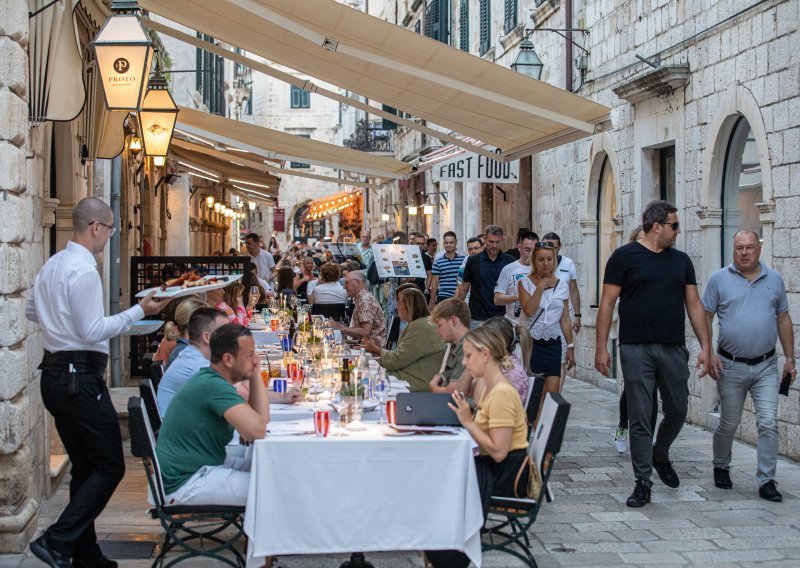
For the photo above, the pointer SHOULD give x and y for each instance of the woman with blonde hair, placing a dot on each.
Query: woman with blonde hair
(179, 327)
(519, 345)
(499, 426)
(419, 352)
(545, 312)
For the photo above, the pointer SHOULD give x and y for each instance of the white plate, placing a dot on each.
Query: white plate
(180, 291)
(144, 327)
(396, 433)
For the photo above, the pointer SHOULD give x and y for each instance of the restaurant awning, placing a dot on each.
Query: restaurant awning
(272, 144)
(236, 176)
(55, 68)
(331, 204)
(399, 68)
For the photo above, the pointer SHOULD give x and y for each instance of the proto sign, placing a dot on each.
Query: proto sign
(469, 166)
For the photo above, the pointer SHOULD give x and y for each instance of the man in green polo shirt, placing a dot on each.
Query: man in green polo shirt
(199, 424)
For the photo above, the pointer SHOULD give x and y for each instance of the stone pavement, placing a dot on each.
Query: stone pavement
(588, 523)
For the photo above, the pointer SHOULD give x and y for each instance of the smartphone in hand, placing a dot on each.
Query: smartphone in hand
(787, 380)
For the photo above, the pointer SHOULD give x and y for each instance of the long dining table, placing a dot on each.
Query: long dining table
(363, 491)
(366, 491)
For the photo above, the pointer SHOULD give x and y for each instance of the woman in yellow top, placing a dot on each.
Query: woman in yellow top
(499, 426)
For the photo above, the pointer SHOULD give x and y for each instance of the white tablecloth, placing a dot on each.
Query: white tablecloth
(362, 493)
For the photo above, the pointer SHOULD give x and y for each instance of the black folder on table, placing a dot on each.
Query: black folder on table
(425, 409)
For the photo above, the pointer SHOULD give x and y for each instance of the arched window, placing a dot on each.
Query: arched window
(741, 186)
(606, 237)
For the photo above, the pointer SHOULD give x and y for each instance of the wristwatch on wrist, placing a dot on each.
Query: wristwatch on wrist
(570, 346)
(577, 315)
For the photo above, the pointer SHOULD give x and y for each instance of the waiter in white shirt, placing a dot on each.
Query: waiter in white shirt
(264, 263)
(67, 302)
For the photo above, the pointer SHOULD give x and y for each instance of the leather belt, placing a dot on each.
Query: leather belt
(747, 360)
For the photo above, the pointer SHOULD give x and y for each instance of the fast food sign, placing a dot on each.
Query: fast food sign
(469, 166)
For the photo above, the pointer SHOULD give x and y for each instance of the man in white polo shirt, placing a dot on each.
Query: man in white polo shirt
(506, 292)
(264, 263)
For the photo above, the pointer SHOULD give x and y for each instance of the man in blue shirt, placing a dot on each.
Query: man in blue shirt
(480, 276)
(202, 324)
(750, 300)
(444, 274)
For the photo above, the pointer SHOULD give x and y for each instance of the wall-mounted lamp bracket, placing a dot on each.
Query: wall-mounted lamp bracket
(561, 32)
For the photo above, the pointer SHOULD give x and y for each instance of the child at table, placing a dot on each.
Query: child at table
(498, 426)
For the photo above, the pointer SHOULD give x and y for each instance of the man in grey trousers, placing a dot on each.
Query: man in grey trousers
(750, 300)
(655, 283)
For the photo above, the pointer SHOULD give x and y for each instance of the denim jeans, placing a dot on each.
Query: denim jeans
(645, 366)
(761, 381)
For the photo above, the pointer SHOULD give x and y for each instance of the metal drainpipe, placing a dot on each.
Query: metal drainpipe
(113, 278)
(568, 51)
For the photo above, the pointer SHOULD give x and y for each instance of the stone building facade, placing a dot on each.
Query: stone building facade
(709, 121)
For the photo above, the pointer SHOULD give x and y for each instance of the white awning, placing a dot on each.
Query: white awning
(55, 68)
(273, 144)
(393, 65)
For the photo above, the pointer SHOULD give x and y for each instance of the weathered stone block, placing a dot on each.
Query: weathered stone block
(13, 65)
(13, 424)
(13, 372)
(15, 470)
(14, 20)
(14, 215)
(12, 269)
(13, 175)
(13, 118)
(14, 326)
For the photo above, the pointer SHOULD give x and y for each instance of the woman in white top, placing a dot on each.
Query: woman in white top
(327, 290)
(545, 312)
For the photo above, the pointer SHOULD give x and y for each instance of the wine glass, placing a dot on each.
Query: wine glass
(255, 294)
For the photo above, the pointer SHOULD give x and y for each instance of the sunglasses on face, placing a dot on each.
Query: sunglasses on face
(544, 245)
(675, 224)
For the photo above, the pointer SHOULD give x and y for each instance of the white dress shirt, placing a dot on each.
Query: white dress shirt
(67, 302)
(264, 266)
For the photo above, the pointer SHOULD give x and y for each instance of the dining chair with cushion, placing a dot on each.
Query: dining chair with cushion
(196, 531)
(510, 518)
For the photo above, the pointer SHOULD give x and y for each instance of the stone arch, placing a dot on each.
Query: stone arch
(735, 102)
(602, 157)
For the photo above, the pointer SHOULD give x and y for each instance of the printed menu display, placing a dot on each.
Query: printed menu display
(344, 249)
(399, 261)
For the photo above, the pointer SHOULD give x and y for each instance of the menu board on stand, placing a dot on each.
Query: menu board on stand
(398, 261)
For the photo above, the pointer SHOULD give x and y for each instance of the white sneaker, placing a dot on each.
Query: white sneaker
(621, 439)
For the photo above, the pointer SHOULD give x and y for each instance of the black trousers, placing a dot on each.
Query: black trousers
(493, 479)
(89, 428)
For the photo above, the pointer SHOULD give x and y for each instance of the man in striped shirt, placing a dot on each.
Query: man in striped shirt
(444, 274)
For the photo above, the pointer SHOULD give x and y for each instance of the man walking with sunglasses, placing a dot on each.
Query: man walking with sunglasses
(654, 283)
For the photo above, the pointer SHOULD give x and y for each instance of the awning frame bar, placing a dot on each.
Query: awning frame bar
(312, 87)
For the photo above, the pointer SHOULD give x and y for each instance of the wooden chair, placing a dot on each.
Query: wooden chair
(510, 518)
(183, 524)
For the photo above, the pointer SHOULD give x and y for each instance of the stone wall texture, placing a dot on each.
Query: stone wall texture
(22, 465)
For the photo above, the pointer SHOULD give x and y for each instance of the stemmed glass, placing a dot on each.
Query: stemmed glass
(255, 294)
(382, 387)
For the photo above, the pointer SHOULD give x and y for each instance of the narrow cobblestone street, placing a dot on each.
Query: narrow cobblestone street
(588, 523)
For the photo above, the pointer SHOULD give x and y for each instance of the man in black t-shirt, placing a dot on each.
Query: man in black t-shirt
(481, 273)
(654, 283)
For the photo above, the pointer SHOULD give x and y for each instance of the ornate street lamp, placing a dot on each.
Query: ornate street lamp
(251, 205)
(210, 201)
(427, 209)
(159, 161)
(135, 145)
(124, 53)
(157, 117)
(527, 61)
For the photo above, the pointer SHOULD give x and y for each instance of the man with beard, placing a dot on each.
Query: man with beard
(655, 283)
